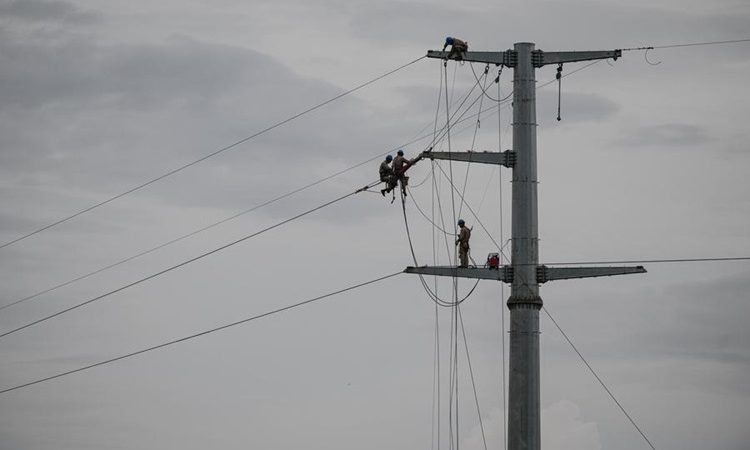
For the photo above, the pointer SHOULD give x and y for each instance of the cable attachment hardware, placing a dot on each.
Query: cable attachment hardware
(558, 76)
(499, 72)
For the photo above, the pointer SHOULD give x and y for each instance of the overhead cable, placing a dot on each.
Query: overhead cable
(593, 372)
(692, 44)
(185, 263)
(202, 333)
(435, 139)
(221, 150)
(437, 136)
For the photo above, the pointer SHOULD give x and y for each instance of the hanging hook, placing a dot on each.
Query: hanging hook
(559, 89)
(645, 56)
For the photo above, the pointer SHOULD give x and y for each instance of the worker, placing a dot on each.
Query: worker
(458, 48)
(387, 176)
(463, 243)
(400, 166)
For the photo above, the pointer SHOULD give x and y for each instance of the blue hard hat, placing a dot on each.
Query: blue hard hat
(449, 41)
(401, 152)
(389, 158)
(461, 222)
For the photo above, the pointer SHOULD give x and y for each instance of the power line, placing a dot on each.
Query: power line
(202, 333)
(227, 219)
(593, 372)
(221, 150)
(184, 263)
(692, 44)
(269, 202)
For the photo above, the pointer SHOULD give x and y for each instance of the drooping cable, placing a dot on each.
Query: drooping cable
(454, 313)
(202, 333)
(436, 385)
(189, 261)
(601, 382)
(693, 44)
(474, 138)
(212, 154)
(435, 138)
(433, 296)
(471, 374)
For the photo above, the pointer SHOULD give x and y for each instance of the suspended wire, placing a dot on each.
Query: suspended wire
(454, 315)
(693, 44)
(593, 372)
(433, 296)
(497, 80)
(184, 263)
(221, 150)
(436, 357)
(455, 189)
(192, 233)
(482, 86)
(473, 382)
(227, 219)
(421, 212)
(202, 333)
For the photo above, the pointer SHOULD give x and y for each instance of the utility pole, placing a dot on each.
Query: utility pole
(524, 272)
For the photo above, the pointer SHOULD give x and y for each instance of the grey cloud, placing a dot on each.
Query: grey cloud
(167, 104)
(46, 11)
(672, 135)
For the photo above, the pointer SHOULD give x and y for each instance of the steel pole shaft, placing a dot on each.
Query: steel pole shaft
(524, 423)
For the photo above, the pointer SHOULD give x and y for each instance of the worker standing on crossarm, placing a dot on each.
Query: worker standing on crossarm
(463, 243)
(387, 176)
(458, 48)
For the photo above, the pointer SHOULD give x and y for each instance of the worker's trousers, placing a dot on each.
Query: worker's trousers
(463, 256)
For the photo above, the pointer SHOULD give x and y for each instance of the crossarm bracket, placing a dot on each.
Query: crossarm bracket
(544, 273)
(507, 58)
(506, 158)
(503, 273)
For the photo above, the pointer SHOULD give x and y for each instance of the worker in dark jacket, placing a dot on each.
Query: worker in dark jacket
(458, 48)
(463, 243)
(400, 166)
(387, 176)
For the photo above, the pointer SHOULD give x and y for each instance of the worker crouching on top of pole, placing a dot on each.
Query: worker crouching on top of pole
(463, 243)
(458, 48)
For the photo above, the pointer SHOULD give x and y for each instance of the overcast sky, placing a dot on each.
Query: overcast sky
(649, 161)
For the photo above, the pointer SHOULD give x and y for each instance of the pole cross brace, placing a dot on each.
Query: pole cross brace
(504, 273)
(545, 273)
(506, 158)
(539, 58)
(508, 58)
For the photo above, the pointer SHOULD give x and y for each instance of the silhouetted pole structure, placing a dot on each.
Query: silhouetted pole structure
(524, 273)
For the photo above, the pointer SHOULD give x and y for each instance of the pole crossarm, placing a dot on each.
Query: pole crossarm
(541, 58)
(504, 273)
(508, 58)
(506, 158)
(545, 273)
